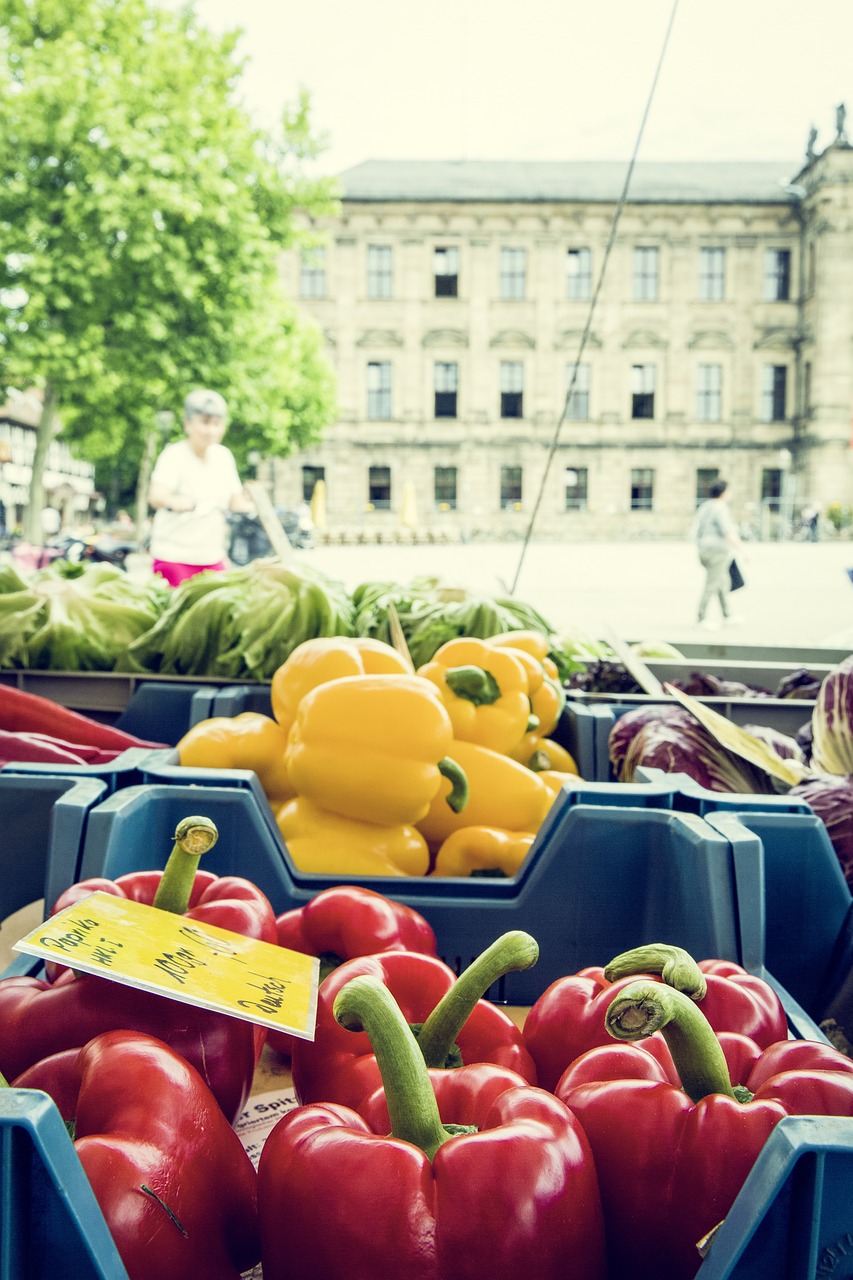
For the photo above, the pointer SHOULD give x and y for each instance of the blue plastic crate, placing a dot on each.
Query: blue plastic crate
(234, 699)
(43, 819)
(163, 711)
(793, 1218)
(795, 908)
(124, 771)
(596, 881)
(50, 1221)
(688, 794)
(724, 812)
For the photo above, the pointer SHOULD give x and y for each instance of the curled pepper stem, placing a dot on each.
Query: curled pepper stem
(365, 1004)
(675, 966)
(512, 951)
(457, 796)
(646, 1007)
(475, 684)
(193, 837)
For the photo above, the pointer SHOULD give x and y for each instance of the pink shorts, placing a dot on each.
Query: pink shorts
(175, 574)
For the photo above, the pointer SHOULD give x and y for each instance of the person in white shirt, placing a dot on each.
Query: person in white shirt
(193, 485)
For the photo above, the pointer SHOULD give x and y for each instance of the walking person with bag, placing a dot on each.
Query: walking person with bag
(717, 541)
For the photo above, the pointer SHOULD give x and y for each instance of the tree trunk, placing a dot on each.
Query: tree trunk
(157, 434)
(46, 433)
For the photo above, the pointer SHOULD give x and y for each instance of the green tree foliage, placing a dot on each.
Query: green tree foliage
(142, 214)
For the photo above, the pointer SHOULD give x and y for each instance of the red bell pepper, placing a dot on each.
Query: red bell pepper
(42, 748)
(671, 1159)
(429, 1201)
(453, 1024)
(568, 1018)
(40, 1017)
(174, 1183)
(22, 712)
(348, 921)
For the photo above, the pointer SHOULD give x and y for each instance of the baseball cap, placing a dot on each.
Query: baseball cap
(201, 402)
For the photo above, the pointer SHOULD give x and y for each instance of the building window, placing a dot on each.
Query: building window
(446, 386)
(445, 488)
(712, 274)
(771, 488)
(445, 265)
(312, 274)
(512, 389)
(643, 391)
(642, 488)
(645, 274)
(577, 405)
(513, 272)
(379, 271)
(379, 390)
(709, 392)
(578, 275)
(773, 387)
(310, 477)
(705, 477)
(510, 487)
(379, 488)
(777, 275)
(576, 488)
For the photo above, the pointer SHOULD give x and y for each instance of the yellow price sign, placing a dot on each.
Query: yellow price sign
(184, 959)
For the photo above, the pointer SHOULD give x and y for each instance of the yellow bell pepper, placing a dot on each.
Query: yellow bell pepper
(324, 843)
(375, 748)
(547, 696)
(555, 780)
(543, 753)
(501, 793)
(533, 642)
(483, 851)
(547, 703)
(325, 658)
(246, 741)
(485, 690)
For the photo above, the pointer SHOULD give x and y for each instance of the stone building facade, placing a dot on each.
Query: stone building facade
(509, 351)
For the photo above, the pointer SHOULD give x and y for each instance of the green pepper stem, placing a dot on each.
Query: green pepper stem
(193, 837)
(365, 1004)
(512, 951)
(457, 796)
(4, 1083)
(645, 1007)
(675, 966)
(475, 684)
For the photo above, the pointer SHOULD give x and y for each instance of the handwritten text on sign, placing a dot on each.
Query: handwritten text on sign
(184, 959)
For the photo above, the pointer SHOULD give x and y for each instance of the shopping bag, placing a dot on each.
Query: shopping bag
(736, 578)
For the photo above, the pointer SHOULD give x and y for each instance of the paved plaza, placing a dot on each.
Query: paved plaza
(797, 593)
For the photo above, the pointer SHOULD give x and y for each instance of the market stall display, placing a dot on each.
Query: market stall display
(533, 847)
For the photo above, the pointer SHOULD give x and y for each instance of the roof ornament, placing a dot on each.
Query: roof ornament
(810, 151)
(840, 118)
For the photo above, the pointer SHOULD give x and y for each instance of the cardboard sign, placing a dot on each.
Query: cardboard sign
(743, 744)
(635, 666)
(172, 955)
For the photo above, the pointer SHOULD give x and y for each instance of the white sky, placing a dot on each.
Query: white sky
(549, 79)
